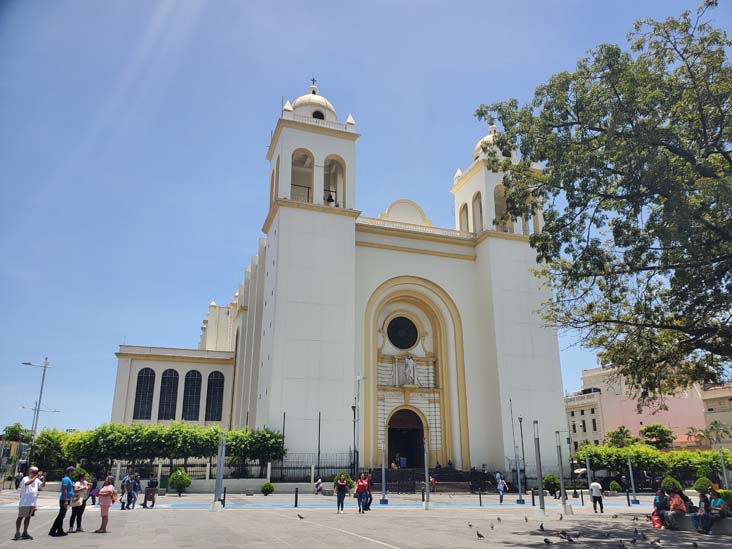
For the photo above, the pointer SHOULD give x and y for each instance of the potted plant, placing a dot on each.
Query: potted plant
(268, 488)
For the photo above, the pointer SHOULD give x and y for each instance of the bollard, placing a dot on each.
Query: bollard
(533, 498)
(223, 499)
(423, 495)
(627, 495)
(297, 490)
(480, 498)
(582, 497)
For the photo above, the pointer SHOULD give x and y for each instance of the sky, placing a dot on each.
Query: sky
(133, 179)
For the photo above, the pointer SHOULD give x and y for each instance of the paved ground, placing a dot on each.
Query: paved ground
(272, 522)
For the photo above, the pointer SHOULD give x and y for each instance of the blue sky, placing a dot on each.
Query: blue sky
(132, 139)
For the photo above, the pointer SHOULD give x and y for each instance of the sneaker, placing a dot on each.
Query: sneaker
(17, 536)
(26, 535)
(79, 529)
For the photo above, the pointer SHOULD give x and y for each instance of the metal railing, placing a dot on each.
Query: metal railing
(301, 193)
(415, 228)
(322, 123)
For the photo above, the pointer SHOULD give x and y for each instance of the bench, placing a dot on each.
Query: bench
(723, 526)
(248, 492)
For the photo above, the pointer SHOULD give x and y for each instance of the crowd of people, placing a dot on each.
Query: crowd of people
(75, 491)
(670, 508)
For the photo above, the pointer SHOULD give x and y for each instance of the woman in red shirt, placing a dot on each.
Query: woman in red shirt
(361, 491)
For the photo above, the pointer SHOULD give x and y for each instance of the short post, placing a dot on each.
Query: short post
(480, 498)
(537, 450)
(383, 500)
(520, 499)
(426, 475)
(269, 470)
(312, 474)
(220, 470)
(533, 499)
(582, 497)
(627, 495)
(296, 494)
(160, 472)
(562, 493)
(223, 499)
(634, 501)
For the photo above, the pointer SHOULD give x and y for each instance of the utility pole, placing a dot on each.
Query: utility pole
(46, 365)
(537, 451)
(523, 452)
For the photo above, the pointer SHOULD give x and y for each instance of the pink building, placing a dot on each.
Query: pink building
(604, 404)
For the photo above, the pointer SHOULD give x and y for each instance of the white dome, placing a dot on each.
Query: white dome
(311, 102)
(485, 141)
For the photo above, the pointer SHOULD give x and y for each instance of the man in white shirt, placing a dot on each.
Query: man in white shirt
(29, 487)
(596, 493)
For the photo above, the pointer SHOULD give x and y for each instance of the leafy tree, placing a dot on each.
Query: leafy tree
(658, 435)
(637, 184)
(702, 485)
(48, 449)
(17, 432)
(717, 431)
(179, 481)
(620, 438)
(267, 445)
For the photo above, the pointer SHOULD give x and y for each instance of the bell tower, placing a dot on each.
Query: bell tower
(312, 155)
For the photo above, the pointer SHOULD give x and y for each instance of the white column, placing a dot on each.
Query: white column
(179, 396)
(340, 190)
(204, 390)
(156, 395)
(283, 189)
(318, 182)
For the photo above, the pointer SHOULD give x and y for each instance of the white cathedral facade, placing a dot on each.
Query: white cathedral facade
(379, 332)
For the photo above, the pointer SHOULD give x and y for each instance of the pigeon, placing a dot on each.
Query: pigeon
(541, 527)
(632, 542)
(492, 526)
(300, 516)
(635, 518)
(547, 542)
(635, 532)
(621, 544)
(498, 519)
(644, 537)
(470, 525)
(656, 544)
(561, 516)
(480, 536)
(563, 534)
(606, 534)
(526, 519)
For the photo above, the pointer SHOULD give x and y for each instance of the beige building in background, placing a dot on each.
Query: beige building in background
(718, 407)
(604, 404)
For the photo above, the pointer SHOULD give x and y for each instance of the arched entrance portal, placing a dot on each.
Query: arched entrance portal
(406, 438)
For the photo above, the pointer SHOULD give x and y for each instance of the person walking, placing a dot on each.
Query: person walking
(361, 488)
(502, 488)
(93, 489)
(130, 494)
(107, 496)
(318, 486)
(29, 486)
(78, 503)
(369, 495)
(341, 486)
(64, 500)
(150, 492)
(596, 492)
(123, 492)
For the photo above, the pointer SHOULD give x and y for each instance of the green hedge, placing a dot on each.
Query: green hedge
(670, 483)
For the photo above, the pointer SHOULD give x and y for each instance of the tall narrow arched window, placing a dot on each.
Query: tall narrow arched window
(215, 396)
(301, 180)
(192, 396)
(168, 395)
(334, 181)
(464, 218)
(477, 213)
(499, 199)
(144, 394)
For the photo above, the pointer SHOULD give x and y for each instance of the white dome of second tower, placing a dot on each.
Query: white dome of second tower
(315, 106)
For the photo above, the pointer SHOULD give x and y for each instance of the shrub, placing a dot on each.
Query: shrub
(78, 471)
(179, 481)
(670, 482)
(551, 483)
(267, 488)
(702, 485)
(615, 486)
(726, 495)
(349, 480)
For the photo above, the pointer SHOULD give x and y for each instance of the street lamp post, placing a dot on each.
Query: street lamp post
(562, 491)
(537, 451)
(571, 468)
(523, 452)
(37, 411)
(356, 410)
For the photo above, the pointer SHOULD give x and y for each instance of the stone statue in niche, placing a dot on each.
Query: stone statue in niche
(409, 377)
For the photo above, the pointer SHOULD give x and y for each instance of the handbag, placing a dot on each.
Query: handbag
(76, 501)
(123, 499)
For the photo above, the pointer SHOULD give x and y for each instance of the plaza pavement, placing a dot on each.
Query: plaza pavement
(272, 522)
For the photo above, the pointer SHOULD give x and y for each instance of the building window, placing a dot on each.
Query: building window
(597, 443)
(144, 394)
(584, 426)
(594, 424)
(402, 333)
(582, 412)
(576, 446)
(192, 396)
(168, 395)
(215, 396)
(574, 427)
(571, 413)
(592, 410)
(318, 115)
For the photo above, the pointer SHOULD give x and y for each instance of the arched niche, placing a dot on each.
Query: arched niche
(334, 181)
(301, 180)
